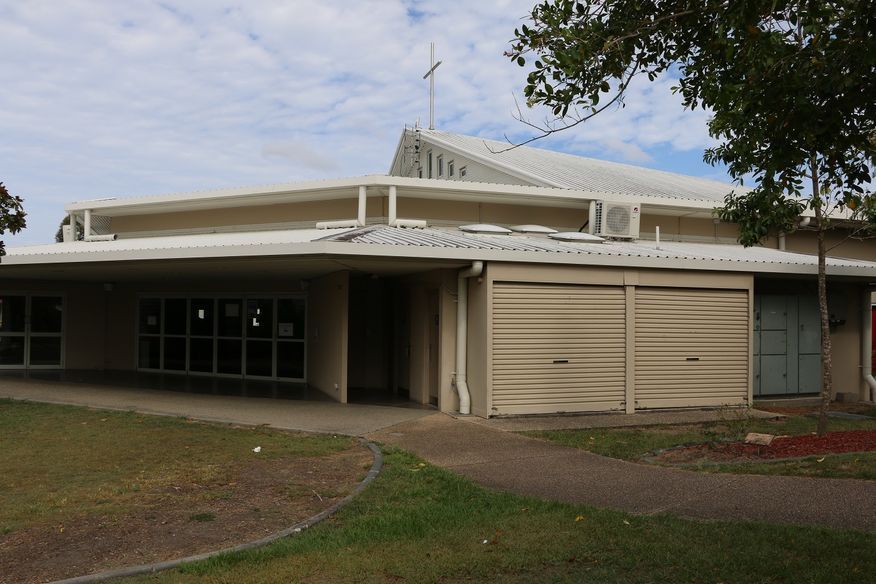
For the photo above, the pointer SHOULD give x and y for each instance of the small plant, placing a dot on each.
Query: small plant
(202, 517)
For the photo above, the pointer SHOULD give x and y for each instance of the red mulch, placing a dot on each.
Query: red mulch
(781, 447)
(805, 445)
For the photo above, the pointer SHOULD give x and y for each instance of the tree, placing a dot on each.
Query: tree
(11, 215)
(791, 86)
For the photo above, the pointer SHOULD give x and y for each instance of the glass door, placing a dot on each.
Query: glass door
(260, 337)
(202, 327)
(290, 337)
(229, 342)
(46, 322)
(12, 331)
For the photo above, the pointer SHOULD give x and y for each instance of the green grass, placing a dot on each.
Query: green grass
(61, 461)
(420, 523)
(636, 444)
(857, 465)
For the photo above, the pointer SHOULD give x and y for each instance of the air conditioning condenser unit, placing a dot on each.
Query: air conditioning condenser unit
(619, 220)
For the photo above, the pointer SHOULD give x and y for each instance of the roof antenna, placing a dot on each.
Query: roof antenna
(430, 75)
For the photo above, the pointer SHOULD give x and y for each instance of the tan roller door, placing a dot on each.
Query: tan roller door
(557, 348)
(691, 347)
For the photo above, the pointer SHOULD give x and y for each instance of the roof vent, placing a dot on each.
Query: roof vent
(532, 229)
(576, 236)
(485, 228)
(614, 219)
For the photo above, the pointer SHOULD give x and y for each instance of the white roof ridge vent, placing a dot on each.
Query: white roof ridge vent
(576, 236)
(532, 229)
(485, 228)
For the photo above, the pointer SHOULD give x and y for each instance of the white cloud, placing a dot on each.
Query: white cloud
(124, 98)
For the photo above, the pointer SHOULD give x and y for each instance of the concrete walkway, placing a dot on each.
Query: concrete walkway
(515, 463)
(500, 459)
(307, 416)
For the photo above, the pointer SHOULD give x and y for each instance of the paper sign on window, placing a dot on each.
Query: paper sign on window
(286, 329)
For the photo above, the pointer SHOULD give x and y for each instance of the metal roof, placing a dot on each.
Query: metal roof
(431, 237)
(393, 243)
(556, 169)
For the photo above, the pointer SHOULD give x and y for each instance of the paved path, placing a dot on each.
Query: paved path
(511, 462)
(504, 460)
(307, 416)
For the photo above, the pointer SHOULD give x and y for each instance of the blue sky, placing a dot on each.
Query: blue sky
(124, 98)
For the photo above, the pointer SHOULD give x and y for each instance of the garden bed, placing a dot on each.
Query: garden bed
(782, 447)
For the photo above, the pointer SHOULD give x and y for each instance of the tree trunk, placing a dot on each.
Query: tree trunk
(826, 377)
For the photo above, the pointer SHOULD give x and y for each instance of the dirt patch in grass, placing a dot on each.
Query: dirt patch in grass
(782, 447)
(248, 500)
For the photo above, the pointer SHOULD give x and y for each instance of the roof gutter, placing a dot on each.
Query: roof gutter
(459, 379)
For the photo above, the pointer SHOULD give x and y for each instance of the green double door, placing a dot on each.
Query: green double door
(787, 345)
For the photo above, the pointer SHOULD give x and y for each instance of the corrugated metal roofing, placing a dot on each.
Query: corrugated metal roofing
(394, 242)
(567, 171)
(431, 237)
(205, 240)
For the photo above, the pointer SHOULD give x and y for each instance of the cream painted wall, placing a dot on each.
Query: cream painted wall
(327, 330)
(245, 215)
(479, 346)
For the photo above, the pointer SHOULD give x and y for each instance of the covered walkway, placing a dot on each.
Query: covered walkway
(193, 398)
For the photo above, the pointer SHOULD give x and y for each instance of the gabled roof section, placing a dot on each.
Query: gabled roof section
(555, 169)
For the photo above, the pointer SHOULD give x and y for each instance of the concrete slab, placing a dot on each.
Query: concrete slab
(619, 420)
(510, 462)
(307, 416)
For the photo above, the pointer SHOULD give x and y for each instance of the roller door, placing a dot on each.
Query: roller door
(691, 347)
(557, 348)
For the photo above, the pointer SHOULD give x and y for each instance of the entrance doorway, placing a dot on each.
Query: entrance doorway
(393, 342)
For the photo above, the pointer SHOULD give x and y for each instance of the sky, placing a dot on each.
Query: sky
(109, 99)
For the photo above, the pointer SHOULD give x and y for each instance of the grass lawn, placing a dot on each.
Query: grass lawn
(636, 444)
(420, 523)
(88, 486)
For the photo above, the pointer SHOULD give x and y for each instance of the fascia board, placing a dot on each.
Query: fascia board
(398, 149)
(344, 249)
(408, 187)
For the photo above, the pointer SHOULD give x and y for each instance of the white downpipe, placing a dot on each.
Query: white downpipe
(86, 229)
(460, 382)
(657, 236)
(781, 241)
(867, 344)
(393, 209)
(362, 205)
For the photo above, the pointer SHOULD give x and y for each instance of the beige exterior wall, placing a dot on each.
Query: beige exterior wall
(680, 228)
(327, 329)
(837, 242)
(846, 345)
(308, 212)
(479, 349)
